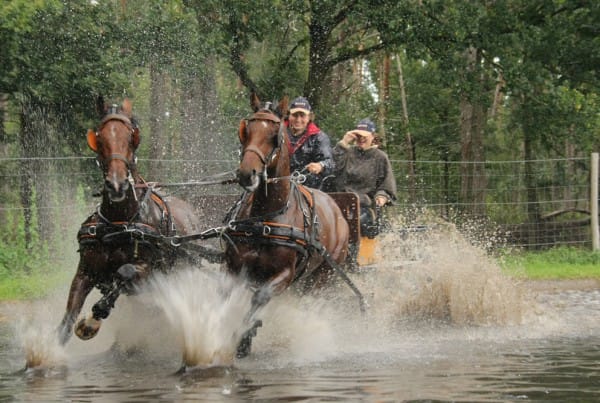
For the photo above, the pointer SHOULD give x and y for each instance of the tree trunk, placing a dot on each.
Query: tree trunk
(410, 145)
(472, 123)
(533, 207)
(200, 115)
(319, 51)
(159, 145)
(3, 106)
(384, 97)
(570, 173)
(26, 140)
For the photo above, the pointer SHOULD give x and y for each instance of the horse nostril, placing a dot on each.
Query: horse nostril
(116, 187)
(109, 185)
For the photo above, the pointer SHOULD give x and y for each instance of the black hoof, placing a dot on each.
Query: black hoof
(127, 272)
(245, 345)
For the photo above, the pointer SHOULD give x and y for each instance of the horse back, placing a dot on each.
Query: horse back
(184, 219)
(333, 229)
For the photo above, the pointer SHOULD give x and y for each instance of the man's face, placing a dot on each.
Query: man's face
(298, 122)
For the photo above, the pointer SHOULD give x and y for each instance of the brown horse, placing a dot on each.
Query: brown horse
(281, 231)
(123, 241)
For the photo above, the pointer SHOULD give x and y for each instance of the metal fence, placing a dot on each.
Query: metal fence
(532, 204)
(557, 190)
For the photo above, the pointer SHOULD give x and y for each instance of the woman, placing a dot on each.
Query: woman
(308, 146)
(361, 167)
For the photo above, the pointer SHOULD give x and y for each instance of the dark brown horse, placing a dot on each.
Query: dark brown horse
(281, 231)
(123, 241)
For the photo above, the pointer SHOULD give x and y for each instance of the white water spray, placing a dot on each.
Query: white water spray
(206, 310)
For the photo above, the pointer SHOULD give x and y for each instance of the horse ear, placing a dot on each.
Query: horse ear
(91, 140)
(135, 138)
(254, 101)
(282, 108)
(242, 132)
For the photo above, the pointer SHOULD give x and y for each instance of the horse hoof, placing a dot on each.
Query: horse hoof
(128, 272)
(245, 346)
(87, 328)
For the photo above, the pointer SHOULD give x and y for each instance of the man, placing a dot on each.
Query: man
(308, 146)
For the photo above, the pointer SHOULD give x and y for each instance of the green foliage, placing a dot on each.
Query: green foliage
(555, 263)
(542, 56)
(36, 285)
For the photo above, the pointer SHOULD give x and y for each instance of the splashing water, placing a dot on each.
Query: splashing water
(206, 310)
(39, 341)
(441, 276)
(436, 277)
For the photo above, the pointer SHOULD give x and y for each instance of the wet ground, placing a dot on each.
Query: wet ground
(448, 326)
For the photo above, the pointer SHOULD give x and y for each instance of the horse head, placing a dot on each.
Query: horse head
(262, 138)
(115, 143)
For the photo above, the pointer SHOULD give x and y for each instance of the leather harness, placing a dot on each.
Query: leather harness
(98, 229)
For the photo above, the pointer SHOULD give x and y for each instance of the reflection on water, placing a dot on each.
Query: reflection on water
(446, 326)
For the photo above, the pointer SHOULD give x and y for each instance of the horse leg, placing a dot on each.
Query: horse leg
(89, 327)
(80, 288)
(245, 345)
(260, 298)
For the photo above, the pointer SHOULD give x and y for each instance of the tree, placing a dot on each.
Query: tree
(57, 57)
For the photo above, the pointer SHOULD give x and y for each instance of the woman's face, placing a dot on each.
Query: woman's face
(298, 122)
(364, 140)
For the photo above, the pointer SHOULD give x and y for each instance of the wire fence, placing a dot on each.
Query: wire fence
(530, 204)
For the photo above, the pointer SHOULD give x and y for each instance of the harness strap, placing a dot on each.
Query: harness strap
(270, 230)
(98, 230)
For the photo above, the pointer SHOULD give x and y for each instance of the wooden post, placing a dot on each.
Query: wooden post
(594, 203)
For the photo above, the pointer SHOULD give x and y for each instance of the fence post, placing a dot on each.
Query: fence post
(594, 202)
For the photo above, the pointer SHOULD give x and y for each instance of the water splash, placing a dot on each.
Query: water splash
(39, 341)
(432, 278)
(206, 310)
(440, 275)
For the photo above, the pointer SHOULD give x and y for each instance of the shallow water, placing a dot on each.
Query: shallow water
(444, 324)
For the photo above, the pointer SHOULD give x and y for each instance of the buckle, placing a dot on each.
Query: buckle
(266, 230)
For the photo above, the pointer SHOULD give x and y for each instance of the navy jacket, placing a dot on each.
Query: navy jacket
(311, 146)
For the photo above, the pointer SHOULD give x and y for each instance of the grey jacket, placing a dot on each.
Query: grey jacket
(365, 172)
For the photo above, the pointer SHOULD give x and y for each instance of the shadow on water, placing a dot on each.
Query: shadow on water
(444, 324)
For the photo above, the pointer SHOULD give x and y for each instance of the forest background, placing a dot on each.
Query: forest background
(451, 80)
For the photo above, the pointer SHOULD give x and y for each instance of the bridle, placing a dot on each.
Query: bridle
(103, 162)
(265, 115)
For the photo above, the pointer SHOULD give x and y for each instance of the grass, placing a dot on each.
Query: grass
(561, 263)
(36, 285)
(555, 264)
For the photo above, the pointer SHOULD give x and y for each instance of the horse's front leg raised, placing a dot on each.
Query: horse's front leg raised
(124, 280)
(80, 288)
